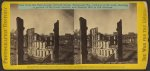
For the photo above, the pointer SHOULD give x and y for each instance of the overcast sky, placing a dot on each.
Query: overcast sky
(106, 20)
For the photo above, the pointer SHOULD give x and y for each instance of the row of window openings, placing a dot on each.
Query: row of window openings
(34, 38)
(41, 44)
(104, 52)
(42, 52)
(97, 44)
(98, 37)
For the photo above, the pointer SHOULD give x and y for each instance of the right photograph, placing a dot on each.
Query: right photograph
(105, 36)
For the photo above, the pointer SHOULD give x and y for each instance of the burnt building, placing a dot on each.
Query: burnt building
(56, 41)
(20, 39)
(77, 43)
(130, 38)
(30, 36)
(14, 48)
(102, 45)
(40, 46)
(83, 38)
(66, 40)
(119, 41)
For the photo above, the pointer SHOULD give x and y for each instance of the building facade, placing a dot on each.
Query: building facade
(39, 46)
(77, 49)
(14, 49)
(66, 40)
(103, 45)
(130, 38)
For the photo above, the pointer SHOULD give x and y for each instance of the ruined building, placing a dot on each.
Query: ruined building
(56, 41)
(103, 46)
(83, 38)
(20, 39)
(119, 40)
(14, 48)
(39, 46)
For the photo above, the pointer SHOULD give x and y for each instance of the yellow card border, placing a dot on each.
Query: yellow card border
(142, 21)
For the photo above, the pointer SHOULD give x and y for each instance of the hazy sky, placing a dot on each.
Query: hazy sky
(106, 20)
(43, 20)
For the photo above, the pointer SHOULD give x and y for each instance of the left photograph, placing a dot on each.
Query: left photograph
(41, 36)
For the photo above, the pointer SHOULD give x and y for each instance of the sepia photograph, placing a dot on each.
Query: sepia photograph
(73, 36)
(41, 36)
(106, 36)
